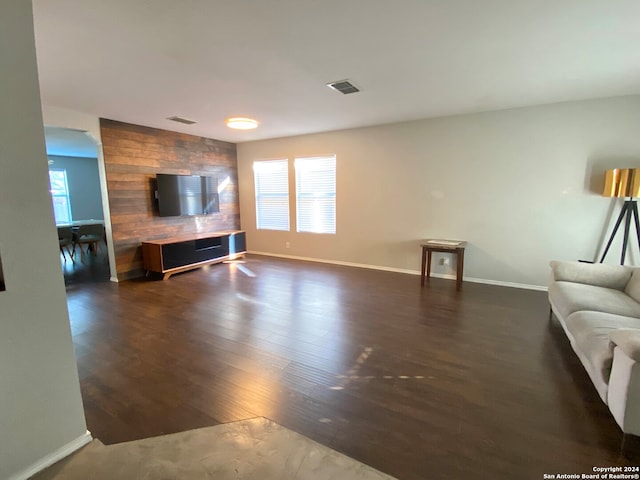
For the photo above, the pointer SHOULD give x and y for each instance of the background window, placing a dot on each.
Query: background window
(60, 195)
(316, 194)
(272, 194)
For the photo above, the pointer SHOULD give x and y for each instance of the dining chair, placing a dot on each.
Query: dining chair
(90, 235)
(65, 238)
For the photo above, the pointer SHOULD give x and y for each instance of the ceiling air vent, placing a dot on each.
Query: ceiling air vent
(186, 121)
(343, 86)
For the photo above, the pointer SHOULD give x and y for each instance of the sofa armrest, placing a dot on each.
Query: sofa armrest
(623, 394)
(628, 339)
(597, 274)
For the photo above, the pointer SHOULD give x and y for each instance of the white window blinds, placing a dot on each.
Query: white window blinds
(272, 194)
(316, 194)
(60, 195)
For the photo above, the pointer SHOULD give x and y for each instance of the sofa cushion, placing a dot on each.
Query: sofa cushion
(590, 332)
(628, 339)
(597, 274)
(633, 286)
(568, 297)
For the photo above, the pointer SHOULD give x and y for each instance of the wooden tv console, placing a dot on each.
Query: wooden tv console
(178, 254)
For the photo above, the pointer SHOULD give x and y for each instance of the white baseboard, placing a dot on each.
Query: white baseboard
(540, 288)
(54, 457)
(499, 283)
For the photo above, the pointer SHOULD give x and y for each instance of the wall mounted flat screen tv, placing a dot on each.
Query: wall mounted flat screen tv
(180, 195)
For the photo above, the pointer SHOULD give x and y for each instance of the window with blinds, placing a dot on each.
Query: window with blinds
(59, 188)
(316, 194)
(272, 194)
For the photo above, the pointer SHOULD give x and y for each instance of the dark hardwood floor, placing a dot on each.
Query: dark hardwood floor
(419, 383)
(82, 270)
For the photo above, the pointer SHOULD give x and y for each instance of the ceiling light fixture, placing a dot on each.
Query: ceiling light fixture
(241, 123)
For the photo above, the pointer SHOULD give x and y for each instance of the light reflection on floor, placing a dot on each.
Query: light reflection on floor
(240, 265)
(352, 374)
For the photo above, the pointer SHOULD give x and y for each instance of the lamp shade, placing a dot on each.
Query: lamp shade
(622, 182)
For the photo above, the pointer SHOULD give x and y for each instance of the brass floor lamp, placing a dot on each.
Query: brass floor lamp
(623, 182)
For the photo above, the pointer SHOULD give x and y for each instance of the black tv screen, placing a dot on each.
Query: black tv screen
(187, 195)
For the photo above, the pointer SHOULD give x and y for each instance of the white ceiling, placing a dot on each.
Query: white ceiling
(66, 142)
(141, 61)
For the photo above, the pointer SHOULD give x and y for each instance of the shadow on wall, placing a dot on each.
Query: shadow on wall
(152, 198)
(594, 183)
(479, 259)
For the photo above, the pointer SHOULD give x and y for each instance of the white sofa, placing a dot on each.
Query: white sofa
(598, 306)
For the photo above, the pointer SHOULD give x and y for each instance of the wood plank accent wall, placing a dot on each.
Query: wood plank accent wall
(133, 155)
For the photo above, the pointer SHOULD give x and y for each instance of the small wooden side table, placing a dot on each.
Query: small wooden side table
(447, 246)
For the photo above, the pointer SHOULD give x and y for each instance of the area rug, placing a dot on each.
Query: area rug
(255, 449)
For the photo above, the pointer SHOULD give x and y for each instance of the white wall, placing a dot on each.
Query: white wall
(514, 183)
(40, 404)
